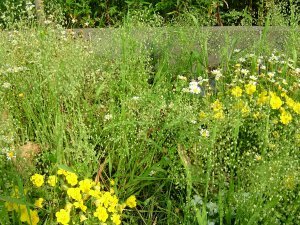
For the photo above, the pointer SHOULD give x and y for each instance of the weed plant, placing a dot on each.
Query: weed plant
(183, 143)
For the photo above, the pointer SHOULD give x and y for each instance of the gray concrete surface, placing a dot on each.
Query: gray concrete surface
(177, 40)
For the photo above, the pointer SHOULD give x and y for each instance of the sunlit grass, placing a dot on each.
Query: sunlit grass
(195, 145)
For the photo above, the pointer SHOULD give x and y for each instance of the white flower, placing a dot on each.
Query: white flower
(271, 74)
(194, 88)
(182, 77)
(108, 117)
(217, 74)
(284, 81)
(197, 200)
(193, 83)
(297, 71)
(47, 22)
(135, 98)
(212, 207)
(10, 155)
(152, 172)
(282, 62)
(244, 71)
(242, 60)
(263, 67)
(204, 133)
(252, 77)
(257, 157)
(273, 58)
(236, 50)
(171, 105)
(6, 85)
(259, 61)
(193, 121)
(185, 90)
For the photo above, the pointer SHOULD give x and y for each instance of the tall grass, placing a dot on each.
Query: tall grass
(126, 113)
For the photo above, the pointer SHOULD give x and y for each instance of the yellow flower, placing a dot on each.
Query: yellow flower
(39, 203)
(34, 218)
(95, 193)
(116, 219)
(285, 117)
(85, 185)
(62, 172)
(21, 95)
(237, 91)
(112, 182)
(245, 110)
(250, 89)
(101, 213)
(113, 202)
(9, 206)
(22, 209)
(217, 106)
(275, 101)
(202, 115)
(258, 157)
(10, 155)
(31, 216)
(74, 193)
(256, 115)
(290, 102)
(112, 191)
(37, 180)
(262, 97)
(68, 207)
(112, 209)
(71, 178)
(82, 218)
(219, 115)
(290, 182)
(131, 201)
(296, 107)
(63, 217)
(106, 199)
(52, 180)
(121, 207)
(80, 205)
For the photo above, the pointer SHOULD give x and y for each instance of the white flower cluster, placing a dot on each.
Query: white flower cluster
(217, 73)
(194, 87)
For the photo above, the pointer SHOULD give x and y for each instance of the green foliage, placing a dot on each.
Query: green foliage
(107, 13)
(155, 118)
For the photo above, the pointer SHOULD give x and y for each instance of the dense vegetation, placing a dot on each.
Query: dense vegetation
(94, 13)
(164, 126)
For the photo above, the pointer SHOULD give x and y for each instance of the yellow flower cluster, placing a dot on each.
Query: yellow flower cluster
(71, 177)
(37, 180)
(217, 109)
(275, 101)
(250, 89)
(237, 91)
(285, 117)
(84, 198)
(26, 214)
(106, 203)
(262, 98)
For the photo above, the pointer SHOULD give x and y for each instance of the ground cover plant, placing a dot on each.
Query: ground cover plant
(112, 13)
(135, 137)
